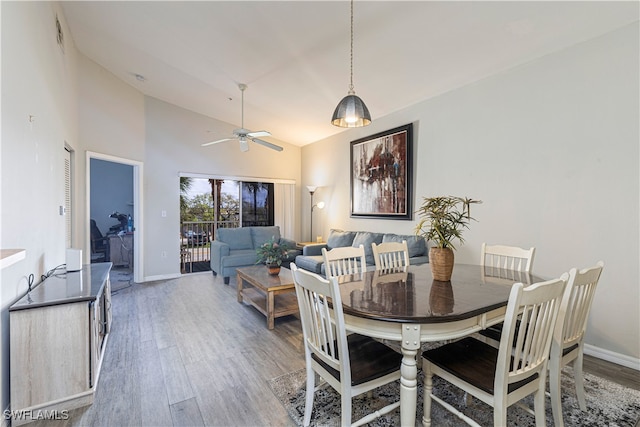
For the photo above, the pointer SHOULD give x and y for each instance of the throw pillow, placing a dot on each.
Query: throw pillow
(365, 239)
(415, 244)
(339, 239)
(236, 238)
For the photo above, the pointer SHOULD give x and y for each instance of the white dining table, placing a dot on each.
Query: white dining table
(408, 306)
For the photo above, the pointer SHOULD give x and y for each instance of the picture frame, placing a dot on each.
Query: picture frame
(381, 174)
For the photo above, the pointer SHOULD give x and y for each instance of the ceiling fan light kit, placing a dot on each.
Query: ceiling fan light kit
(351, 112)
(244, 135)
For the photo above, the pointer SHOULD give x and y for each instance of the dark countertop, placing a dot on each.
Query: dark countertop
(67, 287)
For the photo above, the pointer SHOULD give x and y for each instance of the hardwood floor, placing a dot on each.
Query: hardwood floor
(184, 352)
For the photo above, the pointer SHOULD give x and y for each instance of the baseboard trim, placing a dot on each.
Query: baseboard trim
(610, 356)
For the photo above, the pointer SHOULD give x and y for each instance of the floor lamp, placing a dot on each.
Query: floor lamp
(312, 189)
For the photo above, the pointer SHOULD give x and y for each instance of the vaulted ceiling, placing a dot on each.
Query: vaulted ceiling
(294, 55)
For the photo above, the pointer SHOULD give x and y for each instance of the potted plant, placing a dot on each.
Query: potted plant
(272, 254)
(442, 220)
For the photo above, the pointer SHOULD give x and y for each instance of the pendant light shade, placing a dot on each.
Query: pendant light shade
(351, 111)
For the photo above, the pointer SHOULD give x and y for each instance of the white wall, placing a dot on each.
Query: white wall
(78, 103)
(173, 146)
(551, 147)
(38, 79)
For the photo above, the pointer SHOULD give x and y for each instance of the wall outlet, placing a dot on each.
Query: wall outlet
(163, 254)
(163, 214)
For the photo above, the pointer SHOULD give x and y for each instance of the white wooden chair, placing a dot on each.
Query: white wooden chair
(390, 255)
(344, 260)
(370, 364)
(506, 257)
(498, 261)
(568, 339)
(504, 376)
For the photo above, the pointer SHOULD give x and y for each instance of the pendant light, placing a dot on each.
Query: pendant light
(351, 111)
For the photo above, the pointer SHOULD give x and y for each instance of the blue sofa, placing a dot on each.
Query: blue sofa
(311, 258)
(236, 247)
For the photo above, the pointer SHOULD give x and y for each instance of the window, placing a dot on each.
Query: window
(257, 204)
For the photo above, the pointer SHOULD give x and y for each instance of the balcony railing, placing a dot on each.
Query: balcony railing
(195, 238)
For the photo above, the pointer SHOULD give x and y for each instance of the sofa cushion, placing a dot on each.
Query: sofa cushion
(240, 258)
(261, 235)
(415, 244)
(366, 238)
(311, 263)
(339, 239)
(236, 238)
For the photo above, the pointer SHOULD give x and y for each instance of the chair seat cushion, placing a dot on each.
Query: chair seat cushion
(369, 358)
(494, 332)
(473, 361)
(569, 349)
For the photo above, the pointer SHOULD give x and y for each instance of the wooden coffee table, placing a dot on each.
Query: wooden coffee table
(262, 290)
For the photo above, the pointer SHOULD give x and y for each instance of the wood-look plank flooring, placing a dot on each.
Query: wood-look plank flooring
(184, 352)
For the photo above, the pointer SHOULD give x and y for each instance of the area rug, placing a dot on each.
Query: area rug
(608, 404)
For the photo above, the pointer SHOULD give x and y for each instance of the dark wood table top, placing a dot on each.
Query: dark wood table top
(414, 297)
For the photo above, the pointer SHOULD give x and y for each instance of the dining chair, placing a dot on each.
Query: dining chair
(99, 244)
(388, 255)
(506, 257)
(369, 364)
(344, 260)
(495, 260)
(502, 377)
(568, 338)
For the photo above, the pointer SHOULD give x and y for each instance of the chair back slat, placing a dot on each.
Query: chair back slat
(389, 255)
(529, 323)
(344, 260)
(507, 257)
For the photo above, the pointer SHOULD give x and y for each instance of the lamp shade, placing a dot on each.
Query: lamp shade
(351, 112)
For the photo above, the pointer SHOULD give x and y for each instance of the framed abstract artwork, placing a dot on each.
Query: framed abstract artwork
(381, 172)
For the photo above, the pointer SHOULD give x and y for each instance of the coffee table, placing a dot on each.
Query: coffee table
(260, 289)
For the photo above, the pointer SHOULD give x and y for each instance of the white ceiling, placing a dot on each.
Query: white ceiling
(294, 55)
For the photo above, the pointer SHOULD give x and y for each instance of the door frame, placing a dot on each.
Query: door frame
(138, 232)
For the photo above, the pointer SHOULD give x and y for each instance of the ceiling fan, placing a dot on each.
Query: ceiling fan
(243, 135)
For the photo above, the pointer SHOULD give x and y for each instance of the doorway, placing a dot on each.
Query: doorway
(114, 187)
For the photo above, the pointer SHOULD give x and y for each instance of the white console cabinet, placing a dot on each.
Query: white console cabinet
(58, 336)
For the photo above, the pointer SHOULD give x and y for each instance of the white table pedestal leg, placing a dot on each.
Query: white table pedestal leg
(409, 374)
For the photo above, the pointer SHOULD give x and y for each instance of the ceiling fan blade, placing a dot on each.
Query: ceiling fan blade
(215, 142)
(267, 144)
(258, 133)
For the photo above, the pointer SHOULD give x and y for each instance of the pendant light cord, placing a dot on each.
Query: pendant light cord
(351, 71)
